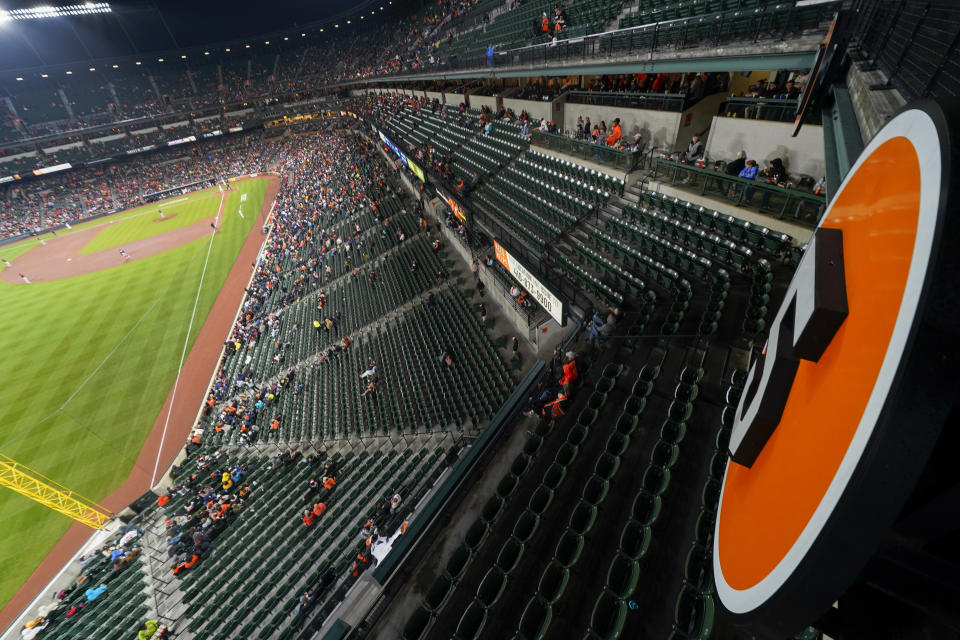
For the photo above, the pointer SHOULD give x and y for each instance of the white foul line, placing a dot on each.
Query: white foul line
(183, 353)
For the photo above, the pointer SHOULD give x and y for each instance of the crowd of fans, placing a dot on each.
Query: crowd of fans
(71, 196)
(80, 598)
(325, 180)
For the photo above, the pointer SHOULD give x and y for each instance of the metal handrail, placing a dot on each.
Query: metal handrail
(786, 203)
(626, 161)
(637, 100)
(776, 109)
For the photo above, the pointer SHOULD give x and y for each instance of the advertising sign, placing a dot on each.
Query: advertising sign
(417, 171)
(53, 169)
(551, 303)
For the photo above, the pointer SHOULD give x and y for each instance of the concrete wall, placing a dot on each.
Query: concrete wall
(872, 106)
(431, 95)
(454, 98)
(764, 140)
(698, 118)
(27, 154)
(658, 128)
(740, 83)
(476, 102)
(537, 109)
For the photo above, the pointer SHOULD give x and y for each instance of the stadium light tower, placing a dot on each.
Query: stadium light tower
(43, 490)
(48, 11)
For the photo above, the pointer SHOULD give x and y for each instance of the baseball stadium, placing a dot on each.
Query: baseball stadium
(479, 319)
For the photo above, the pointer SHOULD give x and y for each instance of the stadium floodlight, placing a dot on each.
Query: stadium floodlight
(19, 79)
(206, 53)
(47, 11)
(138, 63)
(228, 49)
(266, 42)
(116, 66)
(286, 37)
(43, 75)
(69, 73)
(159, 59)
(93, 68)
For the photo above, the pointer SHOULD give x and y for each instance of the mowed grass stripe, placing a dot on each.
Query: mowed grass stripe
(57, 333)
(132, 228)
(29, 243)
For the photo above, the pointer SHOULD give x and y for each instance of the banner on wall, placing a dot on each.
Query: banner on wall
(540, 292)
(454, 206)
(52, 169)
(417, 171)
(393, 147)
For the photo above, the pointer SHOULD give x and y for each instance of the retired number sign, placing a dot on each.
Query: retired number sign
(839, 415)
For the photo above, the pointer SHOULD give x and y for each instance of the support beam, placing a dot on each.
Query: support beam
(706, 63)
(43, 490)
(841, 138)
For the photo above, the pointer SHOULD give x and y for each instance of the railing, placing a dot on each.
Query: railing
(801, 207)
(914, 42)
(653, 101)
(626, 161)
(779, 110)
(713, 29)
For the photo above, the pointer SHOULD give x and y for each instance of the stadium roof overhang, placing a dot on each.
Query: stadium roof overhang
(707, 64)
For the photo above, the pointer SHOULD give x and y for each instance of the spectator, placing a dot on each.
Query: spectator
(694, 150)
(615, 133)
(734, 167)
(749, 170)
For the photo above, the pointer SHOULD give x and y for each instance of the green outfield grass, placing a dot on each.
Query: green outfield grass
(119, 333)
(180, 212)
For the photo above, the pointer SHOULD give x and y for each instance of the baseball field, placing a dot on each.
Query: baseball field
(92, 345)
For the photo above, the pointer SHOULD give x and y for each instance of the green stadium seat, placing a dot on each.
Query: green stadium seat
(457, 563)
(646, 508)
(609, 615)
(510, 554)
(491, 587)
(569, 548)
(535, 620)
(471, 622)
(634, 540)
(436, 596)
(417, 624)
(623, 576)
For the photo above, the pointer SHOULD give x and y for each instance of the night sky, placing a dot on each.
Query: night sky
(137, 28)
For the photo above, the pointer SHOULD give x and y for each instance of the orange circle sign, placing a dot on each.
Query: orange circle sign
(789, 512)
